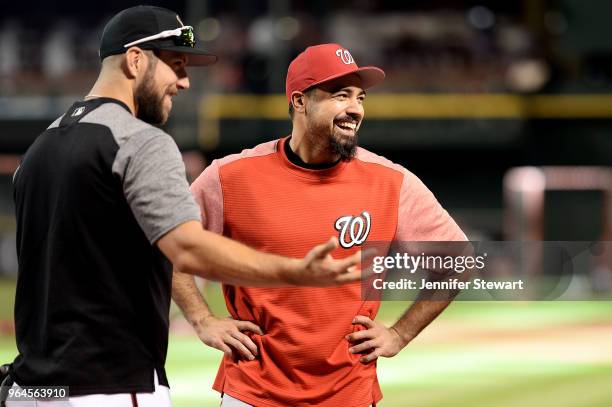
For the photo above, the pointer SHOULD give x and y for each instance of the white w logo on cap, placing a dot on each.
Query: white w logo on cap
(353, 229)
(345, 56)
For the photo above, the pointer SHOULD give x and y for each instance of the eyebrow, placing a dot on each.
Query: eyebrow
(346, 89)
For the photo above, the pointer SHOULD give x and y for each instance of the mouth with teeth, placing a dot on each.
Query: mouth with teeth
(346, 126)
(170, 97)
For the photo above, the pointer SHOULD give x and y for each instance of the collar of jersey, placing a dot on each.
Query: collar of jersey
(307, 172)
(103, 99)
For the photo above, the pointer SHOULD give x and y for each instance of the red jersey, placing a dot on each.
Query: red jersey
(262, 199)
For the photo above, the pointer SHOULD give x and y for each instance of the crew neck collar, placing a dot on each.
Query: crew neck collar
(295, 164)
(297, 160)
(103, 99)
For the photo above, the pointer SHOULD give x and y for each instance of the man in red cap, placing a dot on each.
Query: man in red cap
(311, 346)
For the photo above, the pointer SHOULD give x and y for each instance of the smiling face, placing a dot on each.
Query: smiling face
(164, 77)
(334, 112)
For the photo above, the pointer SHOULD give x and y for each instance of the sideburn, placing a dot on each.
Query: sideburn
(150, 109)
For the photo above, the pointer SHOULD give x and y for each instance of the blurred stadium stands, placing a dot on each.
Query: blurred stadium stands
(473, 88)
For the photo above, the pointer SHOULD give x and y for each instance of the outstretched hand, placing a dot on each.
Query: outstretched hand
(320, 269)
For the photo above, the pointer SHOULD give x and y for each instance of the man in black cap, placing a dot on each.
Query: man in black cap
(101, 202)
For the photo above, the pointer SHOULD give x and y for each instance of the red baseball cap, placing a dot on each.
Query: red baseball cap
(322, 63)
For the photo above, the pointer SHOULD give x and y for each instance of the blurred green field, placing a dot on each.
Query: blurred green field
(476, 354)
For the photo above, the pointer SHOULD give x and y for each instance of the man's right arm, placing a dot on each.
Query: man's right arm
(193, 250)
(225, 334)
(152, 173)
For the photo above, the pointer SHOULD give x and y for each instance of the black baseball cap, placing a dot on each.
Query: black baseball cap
(133, 26)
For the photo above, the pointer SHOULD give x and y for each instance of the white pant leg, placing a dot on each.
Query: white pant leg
(159, 398)
(229, 401)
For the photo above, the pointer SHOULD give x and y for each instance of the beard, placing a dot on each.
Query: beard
(326, 139)
(345, 148)
(150, 103)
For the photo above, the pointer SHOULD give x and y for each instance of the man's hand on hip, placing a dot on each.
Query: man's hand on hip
(377, 340)
(226, 334)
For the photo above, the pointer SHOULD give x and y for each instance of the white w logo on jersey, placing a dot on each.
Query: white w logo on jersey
(353, 229)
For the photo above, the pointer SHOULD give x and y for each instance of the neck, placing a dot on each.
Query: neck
(116, 88)
(310, 149)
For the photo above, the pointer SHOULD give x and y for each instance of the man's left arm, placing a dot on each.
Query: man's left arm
(420, 218)
(379, 340)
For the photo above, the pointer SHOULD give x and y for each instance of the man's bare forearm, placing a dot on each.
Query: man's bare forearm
(226, 334)
(217, 258)
(189, 299)
(430, 303)
(416, 318)
(193, 250)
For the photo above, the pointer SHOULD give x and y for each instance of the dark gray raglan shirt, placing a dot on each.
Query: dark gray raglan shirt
(93, 194)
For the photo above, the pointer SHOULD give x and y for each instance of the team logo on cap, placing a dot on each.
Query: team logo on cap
(353, 229)
(345, 56)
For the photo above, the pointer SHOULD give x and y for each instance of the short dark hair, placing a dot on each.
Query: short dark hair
(308, 92)
(153, 54)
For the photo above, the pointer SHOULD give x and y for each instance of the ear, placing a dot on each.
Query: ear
(135, 62)
(298, 99)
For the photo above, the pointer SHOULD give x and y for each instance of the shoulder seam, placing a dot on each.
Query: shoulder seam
(247, 153)
(221, 164)
(402, 171)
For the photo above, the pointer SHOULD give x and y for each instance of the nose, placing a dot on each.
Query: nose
(355, 109)
(183, 83)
